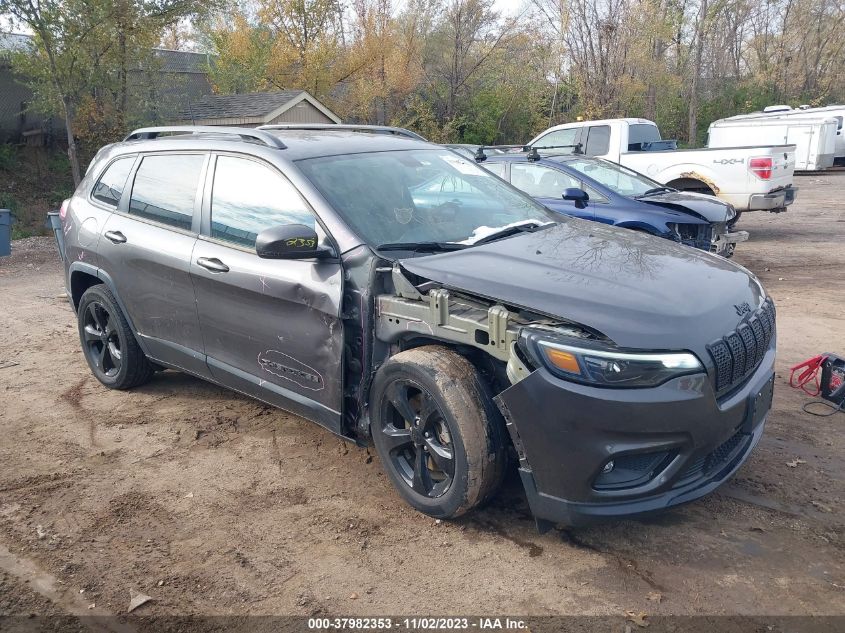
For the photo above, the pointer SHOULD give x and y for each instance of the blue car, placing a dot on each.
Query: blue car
(599, 190)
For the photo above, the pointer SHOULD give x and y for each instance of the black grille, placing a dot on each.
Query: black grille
(738, 353)
(724, 451)
(709, 463)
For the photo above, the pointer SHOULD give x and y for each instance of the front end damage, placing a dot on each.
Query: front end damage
(585, 453)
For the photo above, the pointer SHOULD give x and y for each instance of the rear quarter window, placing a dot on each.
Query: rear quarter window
(109, 187)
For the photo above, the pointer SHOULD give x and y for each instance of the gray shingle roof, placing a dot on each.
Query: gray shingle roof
(253, 104)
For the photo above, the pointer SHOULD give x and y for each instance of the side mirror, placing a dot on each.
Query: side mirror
(289, 241)
(578, 196)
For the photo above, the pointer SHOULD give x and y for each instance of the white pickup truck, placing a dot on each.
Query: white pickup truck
(750, 178)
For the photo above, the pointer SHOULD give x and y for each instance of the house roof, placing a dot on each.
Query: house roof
(252, 107)
(13, 42)
(170, 61)
(182, 61)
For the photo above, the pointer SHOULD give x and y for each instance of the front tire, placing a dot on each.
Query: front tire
(109, 346)
(437, 432)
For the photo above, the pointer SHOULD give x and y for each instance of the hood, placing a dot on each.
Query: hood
(708, 207)
(640, 291)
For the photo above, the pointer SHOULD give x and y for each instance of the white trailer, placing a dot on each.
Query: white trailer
(836, 112)
(814, 137)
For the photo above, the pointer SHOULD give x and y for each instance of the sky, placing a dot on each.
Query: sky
(509, 7)
(506, 7)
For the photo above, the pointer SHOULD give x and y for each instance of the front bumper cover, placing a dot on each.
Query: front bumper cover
(566, 433)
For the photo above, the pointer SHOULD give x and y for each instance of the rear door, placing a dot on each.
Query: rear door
(271, 328)
(597, 141)
(146, 249)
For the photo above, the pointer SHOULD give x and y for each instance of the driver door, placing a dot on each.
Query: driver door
(546, 185)
(271, 327)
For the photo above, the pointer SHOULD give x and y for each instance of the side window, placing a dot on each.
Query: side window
(598, 140)
(639, 133)
(595, 196)
(541, 182)
(495, 168)
(560, 137)
(109, 187)
(249, 197)
(165, 188)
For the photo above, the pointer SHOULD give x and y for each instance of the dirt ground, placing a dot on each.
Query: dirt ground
(211, 503)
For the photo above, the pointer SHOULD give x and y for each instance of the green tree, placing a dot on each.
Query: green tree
(83, 52)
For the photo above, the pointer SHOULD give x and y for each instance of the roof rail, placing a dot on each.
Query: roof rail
(349, 127)
(245, 134)
(480, 156)
(532, 150)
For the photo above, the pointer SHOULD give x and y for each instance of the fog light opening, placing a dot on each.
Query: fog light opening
(608, 467)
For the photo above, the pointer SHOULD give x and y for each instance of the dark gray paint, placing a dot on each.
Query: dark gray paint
(567, 432)
(640, 291)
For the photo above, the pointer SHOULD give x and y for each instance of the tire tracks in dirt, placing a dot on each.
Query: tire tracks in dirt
(48, 586)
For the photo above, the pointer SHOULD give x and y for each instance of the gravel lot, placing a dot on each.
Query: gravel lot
(211, 503)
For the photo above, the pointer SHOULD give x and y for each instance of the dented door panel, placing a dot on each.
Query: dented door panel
(271, 328)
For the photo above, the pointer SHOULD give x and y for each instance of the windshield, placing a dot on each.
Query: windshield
(620, 179)
(417, 196)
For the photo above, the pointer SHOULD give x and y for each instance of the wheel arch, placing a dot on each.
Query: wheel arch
(483, 362)
(694, 184)
(638, 225)
(80, 281)
(82, 276)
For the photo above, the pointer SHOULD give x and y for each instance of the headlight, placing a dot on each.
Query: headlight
(593, 363)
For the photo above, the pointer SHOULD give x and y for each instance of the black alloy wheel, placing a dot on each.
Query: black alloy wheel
(437, 432)
(418, 439)
(101, 339)
(109, 343)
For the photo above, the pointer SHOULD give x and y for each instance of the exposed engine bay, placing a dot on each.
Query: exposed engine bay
(436, 312)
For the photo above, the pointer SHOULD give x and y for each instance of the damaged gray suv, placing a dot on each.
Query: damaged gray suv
(397, 293)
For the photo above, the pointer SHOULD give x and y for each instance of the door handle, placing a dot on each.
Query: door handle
(115, 237)
(213, 264)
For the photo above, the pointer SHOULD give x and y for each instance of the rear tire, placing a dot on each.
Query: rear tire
(108, 343)
(440, 438)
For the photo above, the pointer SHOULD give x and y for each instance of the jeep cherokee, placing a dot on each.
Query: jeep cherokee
(395, 292)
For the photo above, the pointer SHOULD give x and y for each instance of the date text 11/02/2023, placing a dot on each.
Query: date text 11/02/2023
(415, 623)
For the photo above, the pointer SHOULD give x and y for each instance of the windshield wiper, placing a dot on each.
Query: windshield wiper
(508, 231)
(654, 190)
(421, 246)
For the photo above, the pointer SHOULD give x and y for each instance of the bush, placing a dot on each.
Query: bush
(58, 163)
(57, 196)
(7, 201)
(8, 157)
